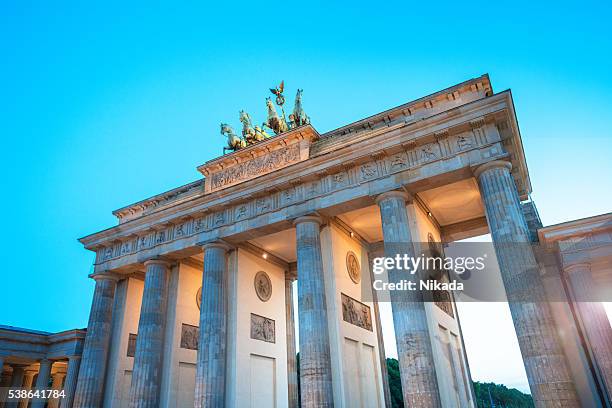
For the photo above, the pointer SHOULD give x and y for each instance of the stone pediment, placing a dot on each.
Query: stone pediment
(259, 159)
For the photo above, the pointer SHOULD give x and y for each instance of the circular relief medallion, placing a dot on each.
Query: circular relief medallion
(352, 267)
(199, 298)
(263, 286)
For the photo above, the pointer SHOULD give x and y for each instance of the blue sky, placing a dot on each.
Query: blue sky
(104, 105)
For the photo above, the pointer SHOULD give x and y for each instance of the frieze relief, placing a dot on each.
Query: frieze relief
(263, 328)
(255, 167)
(356, 313)
(190, 336)
(411, 158)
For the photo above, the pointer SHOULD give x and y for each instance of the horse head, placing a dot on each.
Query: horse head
(245, 118)
(270, 105)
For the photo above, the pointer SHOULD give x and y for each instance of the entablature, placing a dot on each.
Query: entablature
(403, 153)
(442, 144)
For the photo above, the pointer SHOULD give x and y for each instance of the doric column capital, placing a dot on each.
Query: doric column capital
(217, 244)
(394, 194)
(577, 267)
(308, 218)
(105, 276)
(491, 165)
(45, 361)
(157, 261)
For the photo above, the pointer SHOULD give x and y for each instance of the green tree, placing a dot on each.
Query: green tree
(395, 384)
(501, 396)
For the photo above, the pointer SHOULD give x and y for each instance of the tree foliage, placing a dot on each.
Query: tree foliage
(501, 396)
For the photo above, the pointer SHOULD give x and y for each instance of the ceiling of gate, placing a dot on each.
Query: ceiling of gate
(449, 204)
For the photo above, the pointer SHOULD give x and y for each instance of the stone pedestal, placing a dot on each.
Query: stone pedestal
(146, 376)
(315, 359)
(74, 362)
(545, 364)
(42, 382)
(90, 384)
(211, 363)
(594, 320)
(291, 353)
(415, 354)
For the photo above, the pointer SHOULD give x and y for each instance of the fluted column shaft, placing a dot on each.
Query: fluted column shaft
(16, 382)
(291, 353)
(5, 382)
(415, 354)
(147, 373)
(28, 378)
(17, 378)
(74, 363)
(42, 382)
(545, 364)
(56, 385)
(594, 319)
(90, 384)
(315, 359)
(211, 361)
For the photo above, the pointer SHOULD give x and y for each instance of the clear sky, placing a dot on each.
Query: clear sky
(104, 105)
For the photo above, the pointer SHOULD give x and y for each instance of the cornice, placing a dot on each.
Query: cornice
(575, 228)
(481, 83)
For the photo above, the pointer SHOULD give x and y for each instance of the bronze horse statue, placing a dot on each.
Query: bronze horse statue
(299, 115)
(234, 142)
(274, 122)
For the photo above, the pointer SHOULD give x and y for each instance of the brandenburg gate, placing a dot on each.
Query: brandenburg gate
(194, 287)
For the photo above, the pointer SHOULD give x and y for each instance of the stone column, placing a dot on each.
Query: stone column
(211, 361)
(28, 378)
(74, 362)
(42, 382)
(147, 372)
(291, 353)
(17, 378)
(381, 343)
(90, 385)
(315, 358)
(58, 379)
(16, 382)
(594, 319)
(545, 364)
(415, 354)
(5, 382)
